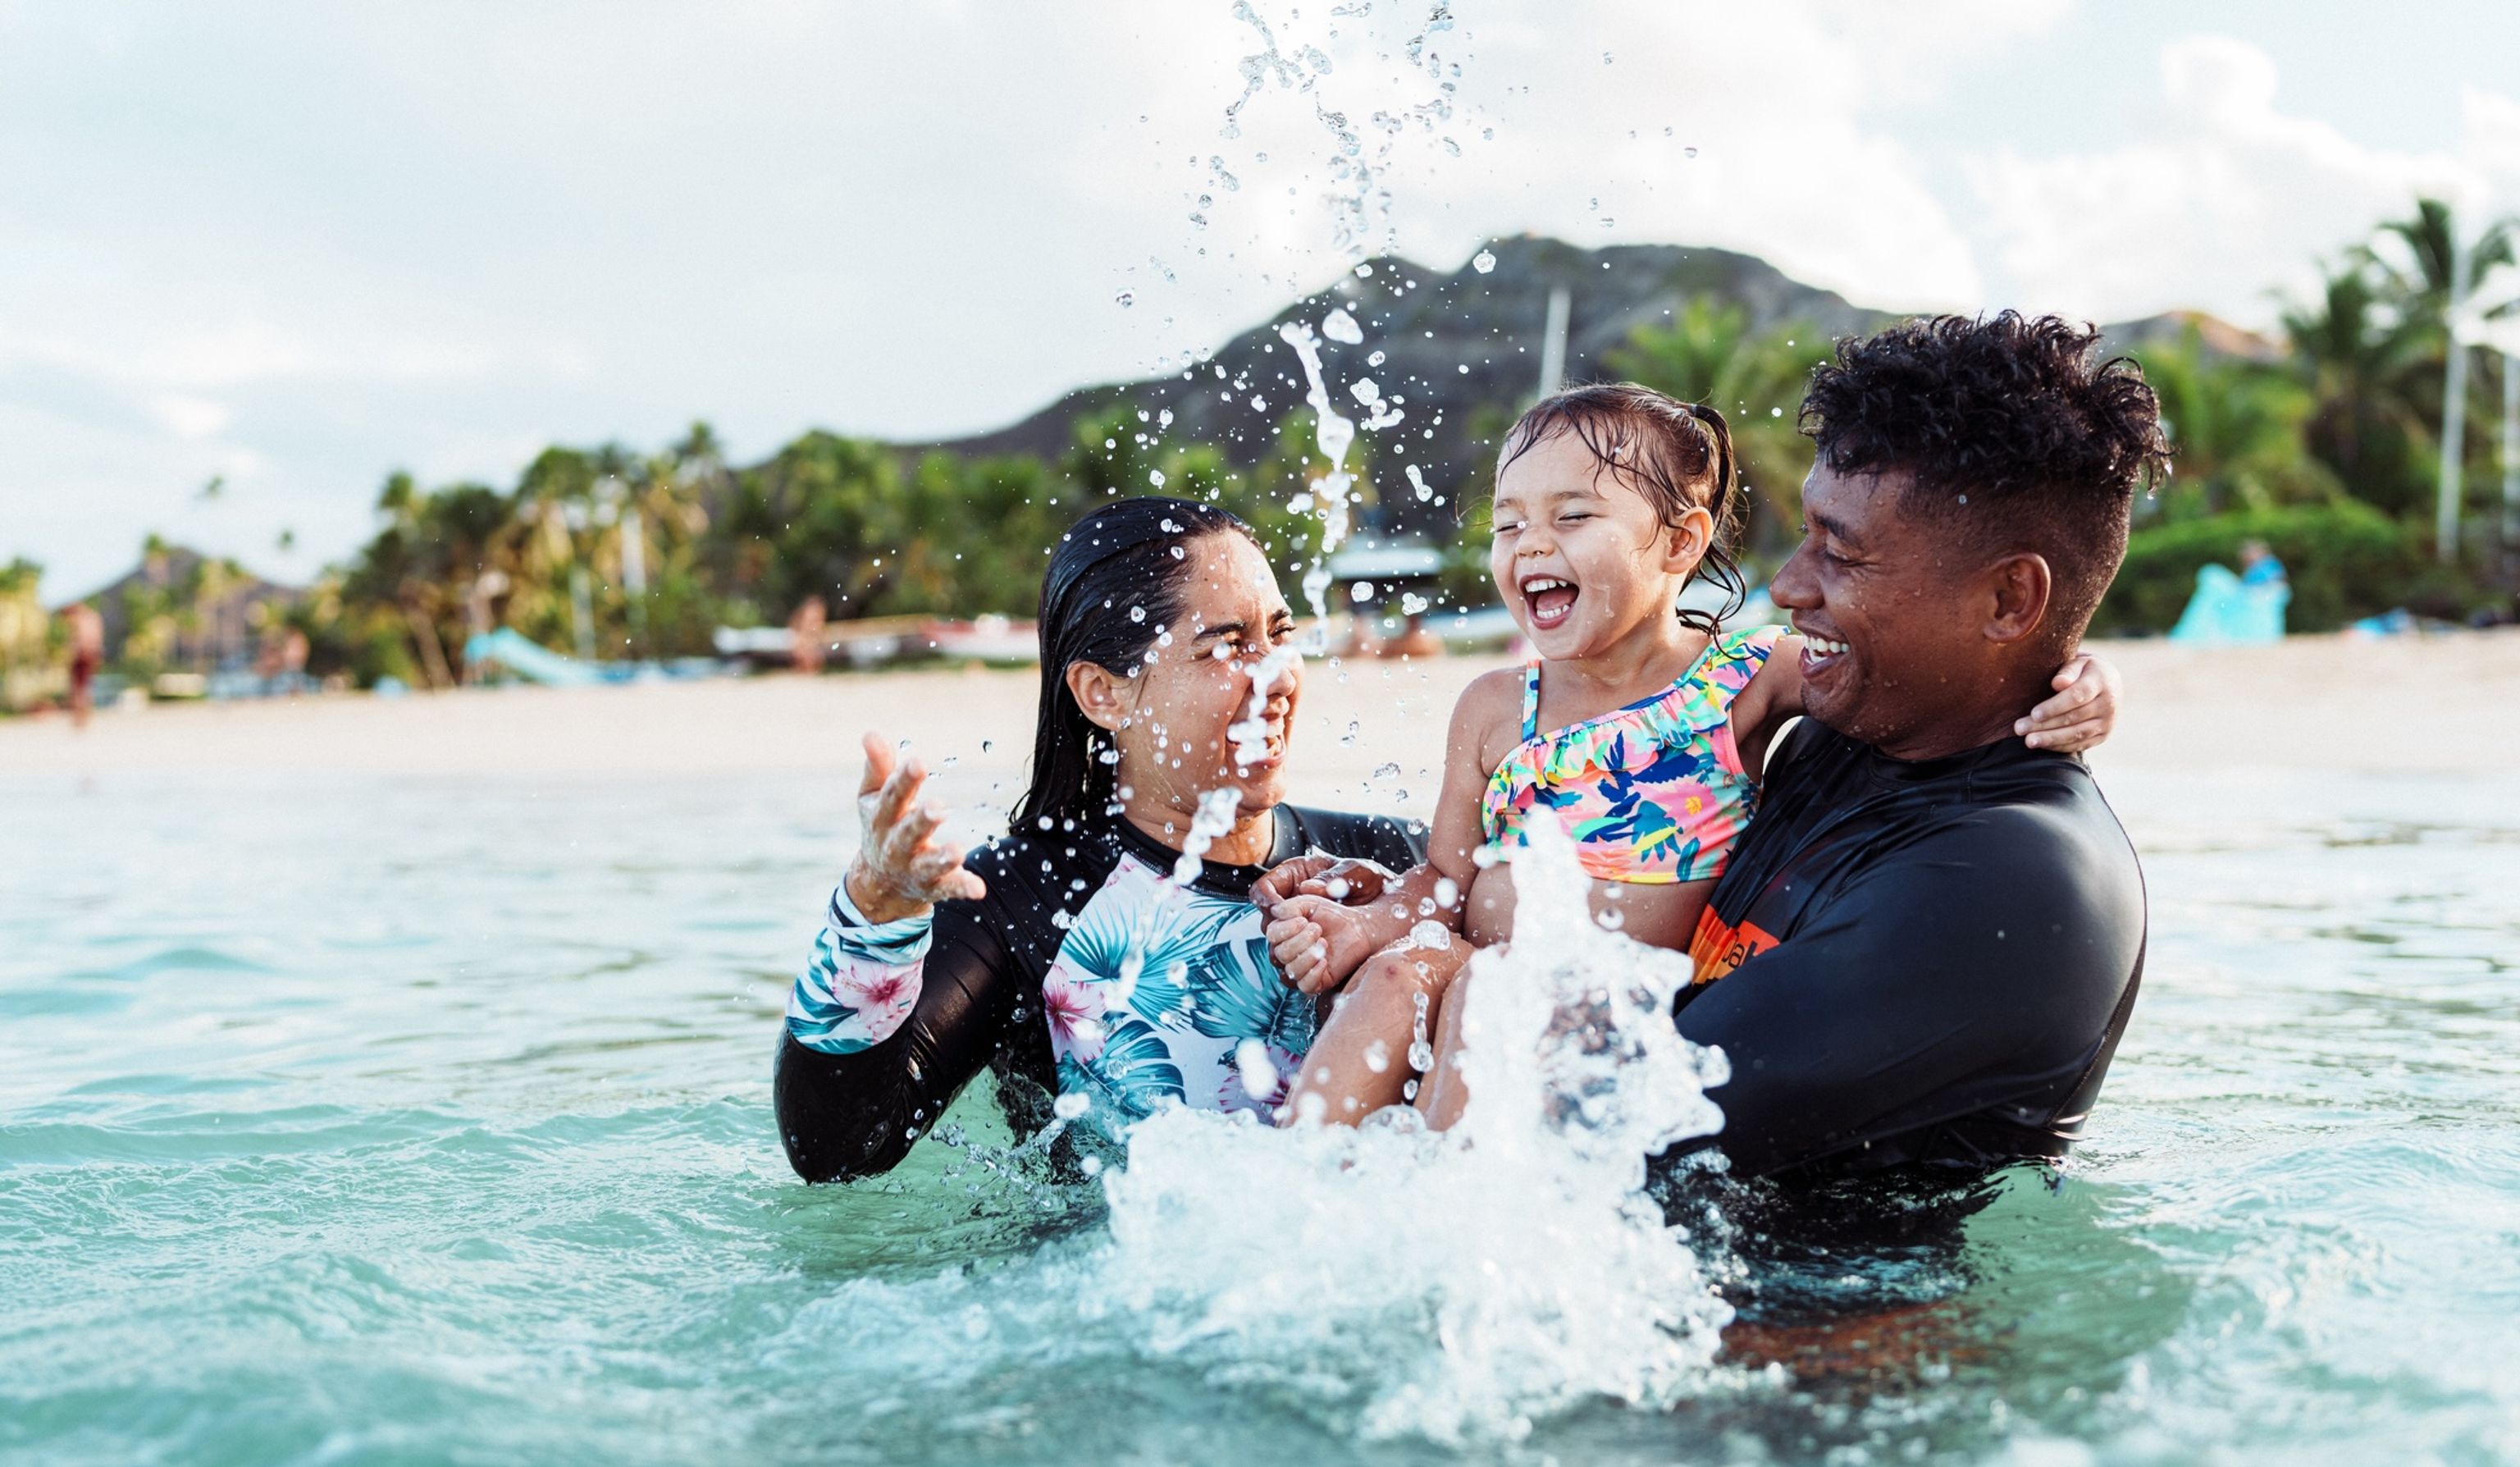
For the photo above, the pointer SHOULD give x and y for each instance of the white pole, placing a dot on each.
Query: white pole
(2511, 464)
(1553, 341)
(2454, 436)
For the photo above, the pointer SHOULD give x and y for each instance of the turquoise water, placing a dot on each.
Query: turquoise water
(350, 1118)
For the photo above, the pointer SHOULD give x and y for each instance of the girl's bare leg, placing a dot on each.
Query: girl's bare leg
(1444, 1093)
(1358, 1062)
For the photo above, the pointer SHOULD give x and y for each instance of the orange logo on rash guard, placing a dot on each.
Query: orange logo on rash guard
(1719, 946)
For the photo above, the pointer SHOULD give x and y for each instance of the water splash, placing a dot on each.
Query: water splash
(1333, 433)
(1461, 1286)
(1361, 155)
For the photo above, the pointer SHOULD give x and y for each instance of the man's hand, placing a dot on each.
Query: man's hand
(2082, 711)
(901, 869)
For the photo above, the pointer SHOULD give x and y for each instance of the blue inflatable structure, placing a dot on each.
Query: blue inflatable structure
(2231, 609)
(531, 660)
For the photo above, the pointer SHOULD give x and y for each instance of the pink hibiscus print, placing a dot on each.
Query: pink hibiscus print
(1075, 1009)
(1235, 1093)
(883, 996)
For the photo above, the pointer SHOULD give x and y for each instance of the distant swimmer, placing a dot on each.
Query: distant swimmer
(87, 656)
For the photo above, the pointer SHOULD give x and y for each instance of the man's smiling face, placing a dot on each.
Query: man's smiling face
(1892, 616)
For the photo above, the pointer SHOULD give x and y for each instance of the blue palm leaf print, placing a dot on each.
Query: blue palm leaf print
(818, 1030)
(1133, 1073)
(1236, 994)
(1677, 762)
(1099, 943)
(1180, 939)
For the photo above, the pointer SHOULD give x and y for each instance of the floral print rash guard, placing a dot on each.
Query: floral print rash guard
(1084, 971)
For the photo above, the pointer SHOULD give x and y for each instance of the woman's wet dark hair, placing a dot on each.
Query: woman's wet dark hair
(1131, 553)
(1678, 455)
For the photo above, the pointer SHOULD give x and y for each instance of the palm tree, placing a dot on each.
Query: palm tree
(2430, 238)
(2366, 362)
(2237, 426)
(1707, 354)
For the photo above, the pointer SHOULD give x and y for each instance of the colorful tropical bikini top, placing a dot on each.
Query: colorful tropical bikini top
(1652, 793)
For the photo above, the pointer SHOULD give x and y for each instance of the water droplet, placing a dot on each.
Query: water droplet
(1691, 152)
(988, 744)
(1606, 58)
(1377, 359)
(1341, 327)
(1155, 476)
(1387, 771)
(1126, 299)
(1137, 614)
(1483, 262)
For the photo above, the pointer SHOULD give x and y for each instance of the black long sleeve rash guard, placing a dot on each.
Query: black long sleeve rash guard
(889, 1022)
(1916, 962)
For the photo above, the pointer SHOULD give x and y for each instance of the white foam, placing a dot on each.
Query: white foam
(1451, 1286)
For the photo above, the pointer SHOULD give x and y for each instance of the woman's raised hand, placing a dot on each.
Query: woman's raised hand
(902, 869)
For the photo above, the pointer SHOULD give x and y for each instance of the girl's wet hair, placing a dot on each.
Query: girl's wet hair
(1131, 553)
(1678, 455)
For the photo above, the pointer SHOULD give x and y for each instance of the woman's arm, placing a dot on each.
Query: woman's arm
(884, 1028)
(908, 991)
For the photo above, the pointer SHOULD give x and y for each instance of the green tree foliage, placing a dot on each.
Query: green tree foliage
(2236, 430)
(2346, 560)
(2327, 452)
(1708, 354)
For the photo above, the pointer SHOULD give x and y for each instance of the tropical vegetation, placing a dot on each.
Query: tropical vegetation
(2325, 446)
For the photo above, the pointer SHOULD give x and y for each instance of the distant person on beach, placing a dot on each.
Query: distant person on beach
(806, 645)
(2259, 565)
(1925, 946)
(1638, 726)
(1159, 620)
(87, 655)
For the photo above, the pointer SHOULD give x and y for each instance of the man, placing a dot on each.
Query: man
(1927, 945)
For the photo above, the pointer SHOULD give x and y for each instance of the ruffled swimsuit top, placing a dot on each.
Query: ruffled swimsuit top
(1654, 793)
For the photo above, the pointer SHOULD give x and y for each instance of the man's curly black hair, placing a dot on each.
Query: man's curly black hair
(2018, 436)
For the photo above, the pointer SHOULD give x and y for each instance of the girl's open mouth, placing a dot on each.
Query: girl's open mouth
(1550, 600)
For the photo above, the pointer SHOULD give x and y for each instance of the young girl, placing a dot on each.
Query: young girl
(1642, 731)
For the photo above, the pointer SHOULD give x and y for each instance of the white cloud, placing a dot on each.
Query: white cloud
(190, 417)
(441, 236)
(2224, 196)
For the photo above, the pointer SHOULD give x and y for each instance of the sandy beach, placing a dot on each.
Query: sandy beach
(2436, 704)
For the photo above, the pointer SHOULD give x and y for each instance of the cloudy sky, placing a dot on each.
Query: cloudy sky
(299, 246)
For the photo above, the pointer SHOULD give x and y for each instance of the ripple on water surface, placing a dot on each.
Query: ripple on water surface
(424, 1120)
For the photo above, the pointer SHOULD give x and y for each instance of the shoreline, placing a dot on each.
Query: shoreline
(2307, 703)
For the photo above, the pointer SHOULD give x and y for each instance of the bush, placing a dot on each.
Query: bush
(2346, 560)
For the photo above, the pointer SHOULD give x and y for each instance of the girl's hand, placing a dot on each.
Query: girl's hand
(2082, 711)
(1319, 942)
(901, 869)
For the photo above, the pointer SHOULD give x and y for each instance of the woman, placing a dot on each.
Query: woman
(1063, 954)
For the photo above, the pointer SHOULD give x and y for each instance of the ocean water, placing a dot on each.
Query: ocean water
(381, 1120)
